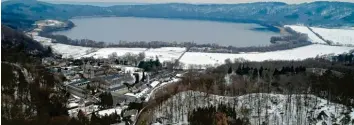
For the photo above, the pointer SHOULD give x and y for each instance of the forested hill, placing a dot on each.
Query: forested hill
(19, 48)
(22, 13)
(29, 92)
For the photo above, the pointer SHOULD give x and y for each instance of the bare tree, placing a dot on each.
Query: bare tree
(228, 61)
(113, 55)
(141, 56)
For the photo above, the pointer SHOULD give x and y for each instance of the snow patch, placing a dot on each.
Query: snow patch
(110, 111)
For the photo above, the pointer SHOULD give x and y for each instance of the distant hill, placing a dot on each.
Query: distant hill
(21, 14)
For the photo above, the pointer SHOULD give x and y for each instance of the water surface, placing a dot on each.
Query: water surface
(114, 29)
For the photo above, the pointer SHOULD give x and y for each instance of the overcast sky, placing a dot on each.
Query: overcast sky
(195, 1)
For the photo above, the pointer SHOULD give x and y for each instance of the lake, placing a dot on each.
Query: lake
(114, 29)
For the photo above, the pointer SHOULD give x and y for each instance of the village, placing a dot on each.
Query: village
(110, 86)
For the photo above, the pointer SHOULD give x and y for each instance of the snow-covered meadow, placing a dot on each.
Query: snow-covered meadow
(337, 36)
(104, 52)
(303, 29)
(68, 51)
(165, 53)
(310, 51)
(200, 58)
(273, 109)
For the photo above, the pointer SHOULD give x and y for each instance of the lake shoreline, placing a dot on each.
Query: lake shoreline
(195, 47)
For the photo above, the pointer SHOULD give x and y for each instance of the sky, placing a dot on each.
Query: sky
(196, 1)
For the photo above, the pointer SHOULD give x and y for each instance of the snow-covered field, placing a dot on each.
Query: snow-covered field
(337, 36)
(104, 52)
(70, 51)
(303, 29)
(273, 109)
(199, 58)
(165, 53)
(310, 51)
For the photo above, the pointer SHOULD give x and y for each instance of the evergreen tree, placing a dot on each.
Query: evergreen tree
(143, 77)
(230, 70)
(94, 119)
(157, 62)
(74, 121)
(49, 50)
(110, 100)
(88, 87)
(239, 70)
(260, 71)
(82, 118)
(255, 73)
(276, 72)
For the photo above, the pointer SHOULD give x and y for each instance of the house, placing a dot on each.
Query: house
(153, 84)
(111, 82)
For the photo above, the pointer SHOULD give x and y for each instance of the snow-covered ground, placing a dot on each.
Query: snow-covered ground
(104, 52)
(73, 104)
(303, 29)
(111, 111)
(49, 23)
(199, 58)
(70, 51)
(300, 53)
(85, 110)
(41, 39)
(89, 109)
(165, 53)
(140, 94)
(160, 86)
(337, 36)
(273, 109)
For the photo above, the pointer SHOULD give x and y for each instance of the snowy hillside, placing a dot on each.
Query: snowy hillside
(274, 109)
(303, 29)
(337, 36)
(310, 51)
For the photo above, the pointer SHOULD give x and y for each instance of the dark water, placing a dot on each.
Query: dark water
(114, 29)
